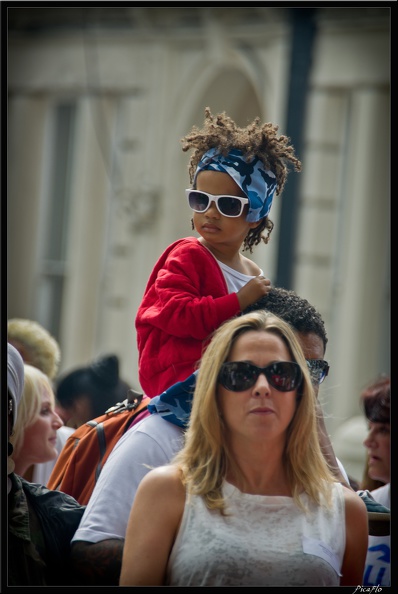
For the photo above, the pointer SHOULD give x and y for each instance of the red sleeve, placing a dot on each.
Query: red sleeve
(186, 295)
(185, 300)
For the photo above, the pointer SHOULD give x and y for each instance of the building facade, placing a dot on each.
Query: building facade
(98, 100)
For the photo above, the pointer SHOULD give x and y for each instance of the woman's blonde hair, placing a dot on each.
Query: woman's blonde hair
(29, 408)
(205, 459)
(35, 344)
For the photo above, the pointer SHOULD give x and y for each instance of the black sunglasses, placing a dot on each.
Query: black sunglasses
(229, 206)
(238, 376)
(318, 369)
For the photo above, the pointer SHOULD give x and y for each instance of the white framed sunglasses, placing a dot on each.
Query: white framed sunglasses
(229, 206)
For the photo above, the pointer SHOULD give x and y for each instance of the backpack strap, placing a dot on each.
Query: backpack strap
(132, 402)
(85, 452)
(135, 401)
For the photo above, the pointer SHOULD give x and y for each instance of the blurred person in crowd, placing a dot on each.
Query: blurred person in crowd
(35, 345)
(375, 400)
(249, 500)
(98, 543)
(198, 283)
(367, 482)
(86, 392)
(34, 436)
(40, 522)
(39, 348)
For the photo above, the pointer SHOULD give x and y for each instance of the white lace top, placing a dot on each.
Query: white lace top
(266, 541)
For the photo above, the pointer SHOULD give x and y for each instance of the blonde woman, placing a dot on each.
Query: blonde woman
(34, 436)
(41, 522)
(39, 348)
(249, 500)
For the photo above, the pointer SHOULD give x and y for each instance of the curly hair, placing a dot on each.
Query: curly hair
(35, 345)
(256, 140)
(295, 310)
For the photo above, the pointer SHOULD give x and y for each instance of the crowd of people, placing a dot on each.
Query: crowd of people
(233, 438)
(156, 439)
(249, 499)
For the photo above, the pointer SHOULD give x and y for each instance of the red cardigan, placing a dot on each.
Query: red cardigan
(185, 300)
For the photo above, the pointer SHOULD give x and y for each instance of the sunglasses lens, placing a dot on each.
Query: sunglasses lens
(284, 376)
(318, 370)
(229, 206)
(198, 201)
(239, 376)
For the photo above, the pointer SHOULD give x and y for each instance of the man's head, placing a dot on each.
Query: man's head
(306, 322)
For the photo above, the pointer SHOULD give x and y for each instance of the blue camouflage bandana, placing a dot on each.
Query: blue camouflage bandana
(258, 183)
(175, 403)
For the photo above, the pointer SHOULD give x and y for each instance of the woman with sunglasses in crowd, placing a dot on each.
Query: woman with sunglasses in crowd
(199, 283)
(249, 500)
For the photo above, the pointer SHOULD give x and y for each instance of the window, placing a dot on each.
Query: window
(56, 215)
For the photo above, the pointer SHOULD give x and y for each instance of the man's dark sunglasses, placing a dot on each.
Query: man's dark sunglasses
(318, 369)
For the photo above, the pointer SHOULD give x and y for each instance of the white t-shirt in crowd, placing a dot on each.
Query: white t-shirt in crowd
(377, 566)
(150, 443)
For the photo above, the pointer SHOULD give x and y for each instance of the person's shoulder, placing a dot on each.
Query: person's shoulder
(353, 503)
(16, 487)
(163, 479)
(189, 245)
(252, 268)
(182, 244)
(382, 494)
(153, 433)
(50, 498)
(189, 254)
(154, 426)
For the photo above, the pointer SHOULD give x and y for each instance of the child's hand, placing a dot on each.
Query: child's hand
(257, 287)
